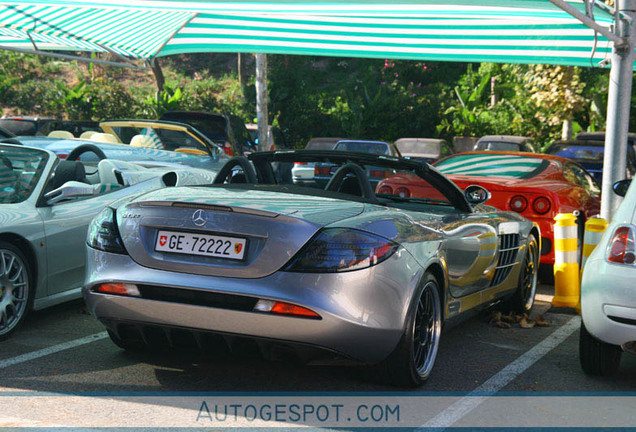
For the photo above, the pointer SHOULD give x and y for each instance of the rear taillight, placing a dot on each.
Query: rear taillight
(518, 203)
(227, 148)
(621, 246)
(385, 190)
(403, 192)
(335, 250)
(103, 233)
(322, 170)
(541, 205)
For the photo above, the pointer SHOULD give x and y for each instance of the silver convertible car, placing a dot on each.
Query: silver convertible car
(46, 205)
(292, 270)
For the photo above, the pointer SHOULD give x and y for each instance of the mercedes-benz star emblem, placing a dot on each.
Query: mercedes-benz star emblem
(199, 218)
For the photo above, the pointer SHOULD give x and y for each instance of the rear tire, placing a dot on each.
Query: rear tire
(523, 298)
(597, 357)
(411, 363)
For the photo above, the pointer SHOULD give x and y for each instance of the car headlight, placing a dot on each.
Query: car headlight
(341, 249)
(103, 233)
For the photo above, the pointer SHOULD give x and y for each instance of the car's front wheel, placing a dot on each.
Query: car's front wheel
(15, 289)
(596, 356)
(411, 363)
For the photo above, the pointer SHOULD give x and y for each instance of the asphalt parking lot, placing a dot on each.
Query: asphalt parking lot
(64, 350)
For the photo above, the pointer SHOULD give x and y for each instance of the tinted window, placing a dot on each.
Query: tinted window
(364, 147)
(577, 175)
(212, 126)
(19, 127)
(240, 131)
(578, 152)
(320, 145)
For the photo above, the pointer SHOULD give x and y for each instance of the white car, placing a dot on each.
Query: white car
(303, 172)
(608, 298)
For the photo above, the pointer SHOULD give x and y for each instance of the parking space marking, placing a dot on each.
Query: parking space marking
(52, 350)
(504, 377)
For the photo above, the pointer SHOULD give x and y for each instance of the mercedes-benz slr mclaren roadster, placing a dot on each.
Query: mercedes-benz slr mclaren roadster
(340, 272)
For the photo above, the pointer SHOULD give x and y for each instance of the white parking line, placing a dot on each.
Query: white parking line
(504, 377)
(52, 350)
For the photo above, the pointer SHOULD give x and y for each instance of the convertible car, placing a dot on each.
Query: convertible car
(137, 140)
(292, 270)
(46, 205)
(538, 186)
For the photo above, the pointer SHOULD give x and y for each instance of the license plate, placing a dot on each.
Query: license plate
(201, 244)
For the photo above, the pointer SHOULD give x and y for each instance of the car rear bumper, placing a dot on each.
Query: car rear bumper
(362, 312)
(609, 309)
(546, 226)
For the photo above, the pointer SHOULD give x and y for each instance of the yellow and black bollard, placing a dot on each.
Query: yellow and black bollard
(566, 261)
(594, 229)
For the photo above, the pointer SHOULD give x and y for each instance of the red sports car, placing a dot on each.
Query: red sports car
(536, 185)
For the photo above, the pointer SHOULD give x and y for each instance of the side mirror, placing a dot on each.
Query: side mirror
(70, 189)
(476, 194)
(621, 186)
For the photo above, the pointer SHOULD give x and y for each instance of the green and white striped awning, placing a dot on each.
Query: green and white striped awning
(511, 31)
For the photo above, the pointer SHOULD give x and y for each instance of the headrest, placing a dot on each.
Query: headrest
(104, 137)
(61, 134)
(147, 141)
(67, 171)
(88, 134)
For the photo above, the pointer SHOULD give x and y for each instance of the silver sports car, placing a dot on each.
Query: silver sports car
(46, 205)
(339, 272)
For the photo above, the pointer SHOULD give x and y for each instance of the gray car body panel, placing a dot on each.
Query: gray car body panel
(363, 311)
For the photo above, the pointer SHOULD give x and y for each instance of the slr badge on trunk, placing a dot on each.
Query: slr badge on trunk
(199, 218)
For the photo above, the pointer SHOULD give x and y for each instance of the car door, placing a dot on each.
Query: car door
(65, 227)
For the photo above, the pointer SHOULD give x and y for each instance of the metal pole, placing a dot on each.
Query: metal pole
(261, 101)
(618, 105)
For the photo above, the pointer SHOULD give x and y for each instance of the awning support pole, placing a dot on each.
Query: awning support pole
(262, 118)
(618, 41)
(618, 106)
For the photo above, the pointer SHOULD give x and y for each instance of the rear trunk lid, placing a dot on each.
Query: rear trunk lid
(254, 233)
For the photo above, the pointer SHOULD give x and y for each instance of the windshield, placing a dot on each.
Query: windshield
(578, 152)
(422, 148)
(484, 165)
(20, 171)
(497, 146)
(376, 148)
(158, 138)
(321, 144)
